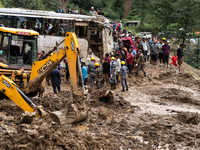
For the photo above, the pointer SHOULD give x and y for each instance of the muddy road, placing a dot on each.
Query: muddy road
(160, 111)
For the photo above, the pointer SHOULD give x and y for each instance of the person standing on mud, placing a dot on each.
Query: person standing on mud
(113, 73)
(130, 59)
(118, 66)
(55, 79)
(140, 63)
(166, 52)
(84, 72)
(91, 71)
(98, 75)
(154, 53)
(123, 73)
(106, 70)
(180, 57)
(161, 52)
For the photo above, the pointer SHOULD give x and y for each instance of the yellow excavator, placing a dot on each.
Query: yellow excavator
(21, 74)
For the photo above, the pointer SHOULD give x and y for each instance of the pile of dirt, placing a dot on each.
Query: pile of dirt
(46, 134)
(10, 108)
(116, 104)
(53, 102)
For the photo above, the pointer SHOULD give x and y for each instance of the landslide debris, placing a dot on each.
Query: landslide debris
(170, 121)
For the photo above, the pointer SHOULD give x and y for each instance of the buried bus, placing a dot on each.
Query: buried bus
(93, 32)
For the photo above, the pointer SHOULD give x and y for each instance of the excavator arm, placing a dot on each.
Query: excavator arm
(41, 69)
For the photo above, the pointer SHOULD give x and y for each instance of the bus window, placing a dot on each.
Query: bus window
(81, 31)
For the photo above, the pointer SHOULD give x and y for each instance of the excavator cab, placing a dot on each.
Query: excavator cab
(18, 47)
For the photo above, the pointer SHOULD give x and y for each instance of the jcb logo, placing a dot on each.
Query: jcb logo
(44, 68)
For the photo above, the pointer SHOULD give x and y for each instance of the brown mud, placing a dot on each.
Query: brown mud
(160, 111)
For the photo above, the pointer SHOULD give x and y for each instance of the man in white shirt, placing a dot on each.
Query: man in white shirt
(145, 45)
(92, 12)
(118, 66)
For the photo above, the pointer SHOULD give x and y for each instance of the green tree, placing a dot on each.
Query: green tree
(33, 4)
(163, 14)
(51, 4)
(142, 8)
(118, 7)
(30, 4)
(186, 18)
(1, 6)
(192, 56)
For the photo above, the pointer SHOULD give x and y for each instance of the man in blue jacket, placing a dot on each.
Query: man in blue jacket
(84, 72)
(55, 79)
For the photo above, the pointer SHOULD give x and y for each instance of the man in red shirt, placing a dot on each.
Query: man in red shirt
(130, 59)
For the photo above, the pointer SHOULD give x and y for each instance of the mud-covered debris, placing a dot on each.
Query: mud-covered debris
(189, 118)
(27, 117)
(105, 114)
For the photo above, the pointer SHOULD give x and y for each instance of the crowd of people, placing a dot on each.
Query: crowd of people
(75, 11)
(130, 55)
(128, 58)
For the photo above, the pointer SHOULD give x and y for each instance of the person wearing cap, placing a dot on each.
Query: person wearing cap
(166, 52)
(92, 11)
(97, 11)
(113, 73)
(106, 70)
(129, 59)
(140, 63)
(84, 72)
(180, 57)
(118, 66)
(123, 74)
(101, 12)
(107, 56)
(98, 75)
(92, 71)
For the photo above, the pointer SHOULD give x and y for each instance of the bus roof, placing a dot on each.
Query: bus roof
(16, 31)
(51, 14)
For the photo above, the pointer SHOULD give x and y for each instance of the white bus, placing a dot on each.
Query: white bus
(93, 32)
